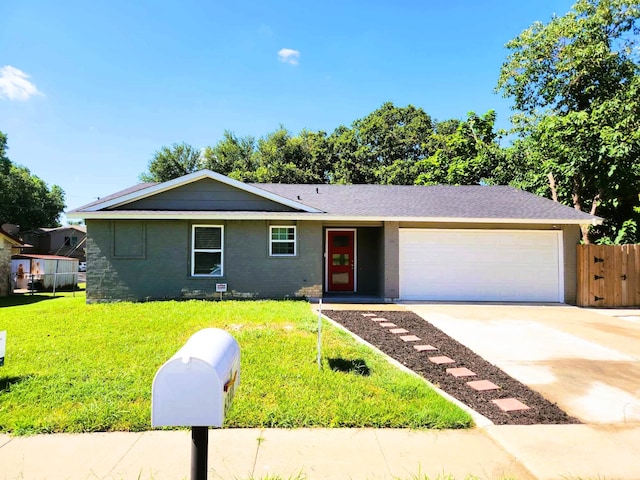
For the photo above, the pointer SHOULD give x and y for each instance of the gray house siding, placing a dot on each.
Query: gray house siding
(571, 236)
(391, 260)
(206, 195)
(156, 264)
(369, 248)
(251, 272)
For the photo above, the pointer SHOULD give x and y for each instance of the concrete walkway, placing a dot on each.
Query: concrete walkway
(587, 362)
(253, 453)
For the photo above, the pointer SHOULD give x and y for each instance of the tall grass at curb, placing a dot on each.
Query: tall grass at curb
(72, 367)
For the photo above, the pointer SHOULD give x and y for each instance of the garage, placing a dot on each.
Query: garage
(481, 265)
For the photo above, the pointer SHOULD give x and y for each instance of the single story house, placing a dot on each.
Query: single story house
(203, 232)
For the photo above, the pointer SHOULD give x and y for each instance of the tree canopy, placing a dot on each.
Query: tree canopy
(575, 84)
(172, 162)
(25, 199)
(391, 145)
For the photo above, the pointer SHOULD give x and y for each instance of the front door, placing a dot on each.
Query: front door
(341, 260)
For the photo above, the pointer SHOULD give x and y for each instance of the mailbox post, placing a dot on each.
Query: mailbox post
(195, 388)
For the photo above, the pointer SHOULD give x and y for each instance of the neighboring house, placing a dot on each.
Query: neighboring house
(9, 245)
(66, 241)
(185, 237)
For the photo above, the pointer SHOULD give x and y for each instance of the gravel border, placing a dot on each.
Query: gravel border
(541, 411)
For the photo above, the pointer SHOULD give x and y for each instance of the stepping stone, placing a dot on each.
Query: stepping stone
(510, 404)
(387, 324)
(482, 385)
(460, 372)
(410, 338)
(398, 330)
(369, 315)
(441, 360)
(424, 348)
(378, 319)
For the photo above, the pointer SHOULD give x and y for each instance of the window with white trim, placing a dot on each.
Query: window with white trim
(282, 241)
(206, 250)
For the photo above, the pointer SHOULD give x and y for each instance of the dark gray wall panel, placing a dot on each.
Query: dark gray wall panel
(205, 195)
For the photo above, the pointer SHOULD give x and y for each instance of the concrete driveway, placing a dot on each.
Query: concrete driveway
(585, 361)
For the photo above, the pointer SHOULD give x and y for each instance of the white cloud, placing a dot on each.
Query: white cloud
(289, 55)
(14, 84)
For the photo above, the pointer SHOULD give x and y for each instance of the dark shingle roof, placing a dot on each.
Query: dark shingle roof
(402, 202)
(473, 201)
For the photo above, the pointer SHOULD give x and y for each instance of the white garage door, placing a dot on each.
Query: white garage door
(481, 265)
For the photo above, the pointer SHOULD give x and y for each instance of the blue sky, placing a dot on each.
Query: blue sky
(89, 90)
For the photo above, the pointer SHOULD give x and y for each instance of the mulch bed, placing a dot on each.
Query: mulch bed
(541, 411)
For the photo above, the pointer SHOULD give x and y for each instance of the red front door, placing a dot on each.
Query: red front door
(340, 260)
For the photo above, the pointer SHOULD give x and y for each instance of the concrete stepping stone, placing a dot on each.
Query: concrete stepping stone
(482, 385)
(398, 330)
(424, 348)
(410, 338)
(460, 372)
(369, 315)
(440, 360)
(510, 404)
(387, 324)
(378, 319)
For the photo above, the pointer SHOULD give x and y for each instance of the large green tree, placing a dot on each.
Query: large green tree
(172, 162)
(25, 199)
(232, 156)
(391, 145)
(574, 82)
(464, 152)
(384, 144)
(283, 158)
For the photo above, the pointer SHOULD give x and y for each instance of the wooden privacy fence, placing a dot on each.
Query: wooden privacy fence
(608, 275)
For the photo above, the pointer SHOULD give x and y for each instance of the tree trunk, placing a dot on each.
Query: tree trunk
(553, 187)
(576, 197)
(577, 204)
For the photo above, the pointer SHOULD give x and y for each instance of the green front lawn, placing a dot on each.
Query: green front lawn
(72, 367)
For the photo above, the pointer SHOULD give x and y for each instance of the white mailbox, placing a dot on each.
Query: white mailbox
(195, 387)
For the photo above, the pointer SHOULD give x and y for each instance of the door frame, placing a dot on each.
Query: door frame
(326, 258)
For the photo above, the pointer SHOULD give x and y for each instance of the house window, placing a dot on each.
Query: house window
(70, 241)
(282, 241)
(206, 252)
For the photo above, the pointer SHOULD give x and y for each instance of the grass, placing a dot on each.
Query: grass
(73, 367)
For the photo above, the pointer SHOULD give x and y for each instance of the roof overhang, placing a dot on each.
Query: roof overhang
(194, 177)
(320, 217)
(12, 240)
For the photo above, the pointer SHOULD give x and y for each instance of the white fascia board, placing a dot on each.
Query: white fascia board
(195, 176)
(172, 215)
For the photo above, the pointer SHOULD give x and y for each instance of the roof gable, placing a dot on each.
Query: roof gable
(7, 237)
(200, 191)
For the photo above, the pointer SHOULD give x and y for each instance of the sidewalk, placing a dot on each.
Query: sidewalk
(545, 452)
(241, 454)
